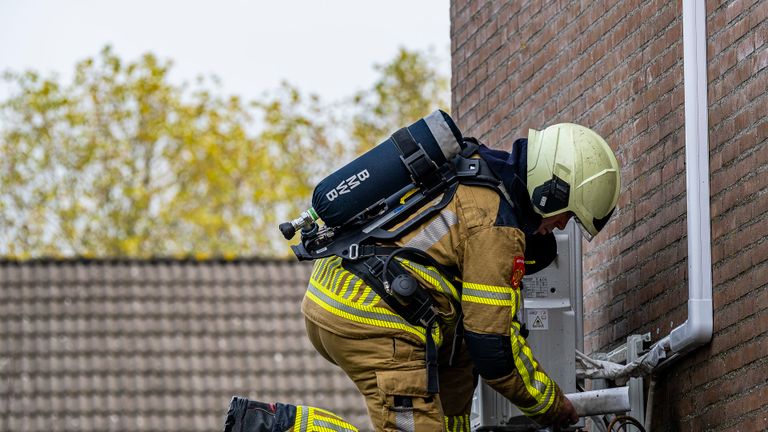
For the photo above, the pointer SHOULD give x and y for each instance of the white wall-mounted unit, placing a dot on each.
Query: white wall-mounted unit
(553, 314)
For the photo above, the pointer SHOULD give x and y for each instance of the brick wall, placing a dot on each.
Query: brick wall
(617, 67)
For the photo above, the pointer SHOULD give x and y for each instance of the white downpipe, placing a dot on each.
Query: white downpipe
(697, 329)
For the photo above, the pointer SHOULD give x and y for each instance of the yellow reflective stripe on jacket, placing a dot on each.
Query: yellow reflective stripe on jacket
(368, 297)
(434, 231)
(371, 315)
(329, 273)
(357, 308)
(488, 294)
(433, 277)
(538, 384)
(310, 419)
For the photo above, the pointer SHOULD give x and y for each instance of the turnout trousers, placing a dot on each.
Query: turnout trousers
(390, 373)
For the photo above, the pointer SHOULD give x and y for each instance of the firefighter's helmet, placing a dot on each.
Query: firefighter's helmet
(572, 168)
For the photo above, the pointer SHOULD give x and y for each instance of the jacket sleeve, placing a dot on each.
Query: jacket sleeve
(490, 302)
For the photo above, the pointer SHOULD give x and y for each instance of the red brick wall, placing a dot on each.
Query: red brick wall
(617, 68)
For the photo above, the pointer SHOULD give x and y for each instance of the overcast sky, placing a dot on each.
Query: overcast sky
(327, 47)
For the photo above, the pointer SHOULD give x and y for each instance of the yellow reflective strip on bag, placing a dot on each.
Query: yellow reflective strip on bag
(325, 413)
(310, 418)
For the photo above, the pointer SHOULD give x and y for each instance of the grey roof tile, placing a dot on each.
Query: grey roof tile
(157, 344)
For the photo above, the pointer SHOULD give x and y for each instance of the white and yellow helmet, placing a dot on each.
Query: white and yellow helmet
(572, 168)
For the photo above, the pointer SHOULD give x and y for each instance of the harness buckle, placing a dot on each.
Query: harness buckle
(427, 314)
(374, 265)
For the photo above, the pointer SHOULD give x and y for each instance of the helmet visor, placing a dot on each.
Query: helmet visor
(597, 225)
(584, 231)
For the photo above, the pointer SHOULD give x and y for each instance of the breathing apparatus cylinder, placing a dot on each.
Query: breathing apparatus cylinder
(382, 171)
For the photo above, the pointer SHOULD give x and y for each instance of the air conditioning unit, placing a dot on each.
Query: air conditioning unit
(553, 314)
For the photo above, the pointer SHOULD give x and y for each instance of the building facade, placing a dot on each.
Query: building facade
(617, 67)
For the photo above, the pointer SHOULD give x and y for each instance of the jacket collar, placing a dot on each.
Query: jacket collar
(512, 169)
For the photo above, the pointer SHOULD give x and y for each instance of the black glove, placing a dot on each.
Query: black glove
(252, 416)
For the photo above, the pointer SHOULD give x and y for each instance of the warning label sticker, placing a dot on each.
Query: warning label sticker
(537, 319)
(536, 286)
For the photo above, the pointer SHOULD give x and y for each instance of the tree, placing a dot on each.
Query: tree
(409, 87)
(302, 147)
(120, 162)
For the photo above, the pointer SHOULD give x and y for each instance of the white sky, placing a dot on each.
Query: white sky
(326, 47)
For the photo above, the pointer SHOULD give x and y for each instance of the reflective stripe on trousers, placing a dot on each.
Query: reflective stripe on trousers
(459, 423)
(404, 420)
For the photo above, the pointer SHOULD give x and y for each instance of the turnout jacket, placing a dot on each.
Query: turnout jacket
(477, 234)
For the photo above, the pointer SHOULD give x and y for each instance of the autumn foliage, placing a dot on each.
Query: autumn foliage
(122, 162)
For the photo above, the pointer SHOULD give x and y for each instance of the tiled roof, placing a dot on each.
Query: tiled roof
(156, 345)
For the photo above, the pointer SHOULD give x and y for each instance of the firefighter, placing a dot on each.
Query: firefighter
(478, 242)
(563, 171)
